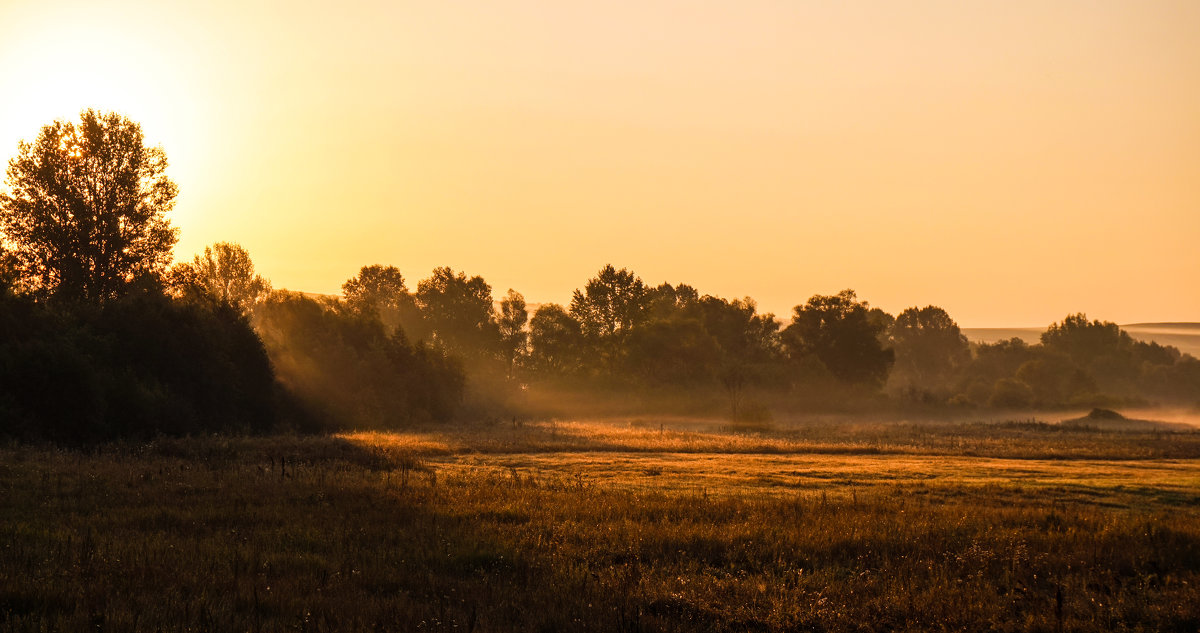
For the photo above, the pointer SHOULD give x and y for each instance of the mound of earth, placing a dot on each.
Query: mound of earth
(1109, 420)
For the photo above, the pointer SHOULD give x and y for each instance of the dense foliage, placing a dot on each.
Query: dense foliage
(140, 365)
(85, 210)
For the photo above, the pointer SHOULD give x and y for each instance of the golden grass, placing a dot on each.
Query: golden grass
(725, 474)
(1031, 440)
(593, 526)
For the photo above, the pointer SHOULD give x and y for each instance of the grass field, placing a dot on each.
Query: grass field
(611, 525)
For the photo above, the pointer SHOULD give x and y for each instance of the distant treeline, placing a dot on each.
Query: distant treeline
(100, 337)
(623, 337)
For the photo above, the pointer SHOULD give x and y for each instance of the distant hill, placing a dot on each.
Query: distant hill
(1185, 336)
(1030, 335)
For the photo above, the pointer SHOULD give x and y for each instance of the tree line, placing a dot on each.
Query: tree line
(103, 337)
(619, 332)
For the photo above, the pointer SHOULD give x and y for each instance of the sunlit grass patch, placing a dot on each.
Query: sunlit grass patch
(698, 435)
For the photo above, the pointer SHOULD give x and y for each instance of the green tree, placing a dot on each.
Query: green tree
(225, 272)
(840, 332)
(511, 319)
(85, 214)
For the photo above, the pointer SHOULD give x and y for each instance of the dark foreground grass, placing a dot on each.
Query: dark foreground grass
(321, 534)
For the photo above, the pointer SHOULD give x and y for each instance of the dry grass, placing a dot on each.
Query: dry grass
(832, 436)
(1118, 482)
(424, 531)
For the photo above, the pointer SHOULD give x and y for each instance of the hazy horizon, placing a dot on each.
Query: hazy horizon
(1011, 163)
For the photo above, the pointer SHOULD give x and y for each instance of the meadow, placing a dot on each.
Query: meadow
(629, 524)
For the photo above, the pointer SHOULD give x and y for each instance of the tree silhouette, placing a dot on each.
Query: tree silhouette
(511, 319)
(930, 348)
(666, 301)
(676, 351)
(748, 344)
(840, 332)
(556, 339)
(613, 301)
(224, 272)
(380, 290)
(85, 212)
(458, 310)
(610, 305)
(1085, 341)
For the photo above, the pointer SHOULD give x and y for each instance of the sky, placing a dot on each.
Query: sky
(1011, 162)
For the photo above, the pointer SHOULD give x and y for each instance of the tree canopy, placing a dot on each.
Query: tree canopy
(380, 290)
(613, 301)
(85, 214)
(930, 349)
(511, 319)
(557, 341)
(458, 310)
(840, 332)
(224, 272)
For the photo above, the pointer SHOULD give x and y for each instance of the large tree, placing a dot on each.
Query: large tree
(930, 349)
(458, 310)
(85, 211)
(841, 332)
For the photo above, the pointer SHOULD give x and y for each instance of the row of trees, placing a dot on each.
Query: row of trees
(619, 332)
(91, 307)
(100, 338)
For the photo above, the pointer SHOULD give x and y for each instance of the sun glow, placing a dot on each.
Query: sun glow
(55, 68)
(769, 149)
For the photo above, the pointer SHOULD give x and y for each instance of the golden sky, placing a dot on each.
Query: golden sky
(1009, 161)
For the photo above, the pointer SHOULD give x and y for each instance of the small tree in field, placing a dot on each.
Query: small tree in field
(84, 215)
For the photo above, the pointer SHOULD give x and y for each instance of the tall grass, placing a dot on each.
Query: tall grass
(329, 534)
